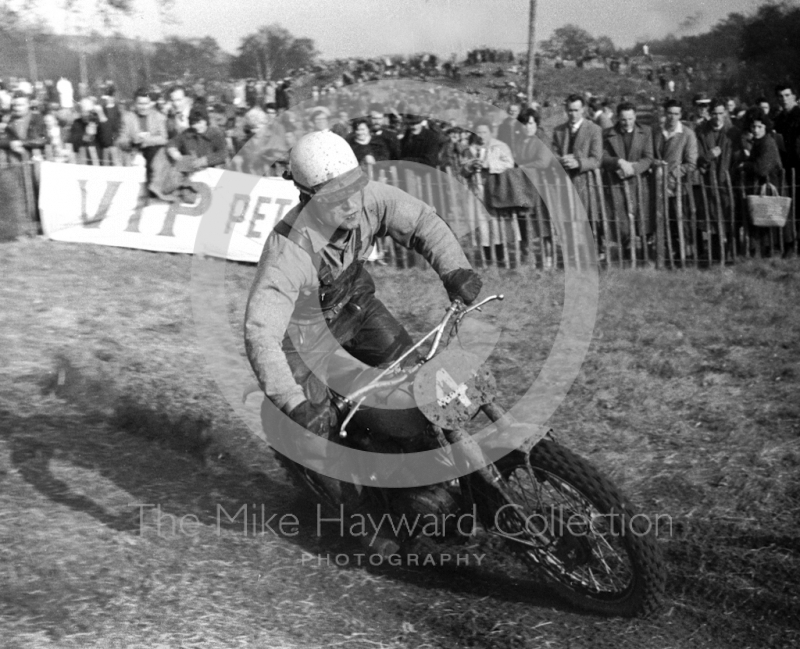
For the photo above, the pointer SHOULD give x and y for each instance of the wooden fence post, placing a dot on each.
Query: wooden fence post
(670, 247)
(628, 206)
(30, 198)
(720, 220)
(679, 216)
(540, 207)
(794, 209)
(603, 215)
(693, 219)
(732, 210)
(782, 192)
(658, 212)
(642, 219)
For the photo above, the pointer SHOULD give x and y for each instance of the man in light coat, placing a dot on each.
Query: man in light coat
(675, 144)
(145, 131)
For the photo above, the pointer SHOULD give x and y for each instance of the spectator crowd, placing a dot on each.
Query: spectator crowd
(251, 126)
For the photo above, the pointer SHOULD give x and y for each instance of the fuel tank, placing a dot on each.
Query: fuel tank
(394, 413)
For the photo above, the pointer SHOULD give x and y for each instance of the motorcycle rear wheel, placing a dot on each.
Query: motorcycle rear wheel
(570, 524)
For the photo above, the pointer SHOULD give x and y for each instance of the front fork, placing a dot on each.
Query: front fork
(482, 485)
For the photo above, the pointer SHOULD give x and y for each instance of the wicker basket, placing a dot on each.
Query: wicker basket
(769, 211)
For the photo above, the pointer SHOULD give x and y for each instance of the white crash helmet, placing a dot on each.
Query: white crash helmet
(318, 158)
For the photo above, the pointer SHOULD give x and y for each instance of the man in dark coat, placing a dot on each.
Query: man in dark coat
(627, 154)
(198, 147)
(717, 143)
(787, 124)
(578, 143)
(91, 134)
(380, 130)
(420, 144)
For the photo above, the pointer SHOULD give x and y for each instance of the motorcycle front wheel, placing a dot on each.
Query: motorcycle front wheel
(570, 524)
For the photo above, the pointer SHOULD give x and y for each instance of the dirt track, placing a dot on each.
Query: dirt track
(687, 400)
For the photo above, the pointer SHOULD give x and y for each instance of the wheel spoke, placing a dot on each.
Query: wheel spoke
(561, 501)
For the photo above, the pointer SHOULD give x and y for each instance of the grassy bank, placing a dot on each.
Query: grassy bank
(687, 399)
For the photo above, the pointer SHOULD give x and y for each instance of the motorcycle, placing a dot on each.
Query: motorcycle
(540, 506)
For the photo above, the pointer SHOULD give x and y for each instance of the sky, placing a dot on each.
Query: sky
(344, 28)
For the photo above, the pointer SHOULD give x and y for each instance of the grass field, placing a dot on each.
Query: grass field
(687, 399)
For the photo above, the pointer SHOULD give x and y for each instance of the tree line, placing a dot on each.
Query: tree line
(764, 45)
(28, 50)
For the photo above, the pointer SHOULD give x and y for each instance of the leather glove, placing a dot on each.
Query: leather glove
(462, 283)
(320, 420)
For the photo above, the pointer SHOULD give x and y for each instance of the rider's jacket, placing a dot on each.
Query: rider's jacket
(306, 274)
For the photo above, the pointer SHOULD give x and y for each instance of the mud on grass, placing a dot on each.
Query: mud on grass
(687, 399)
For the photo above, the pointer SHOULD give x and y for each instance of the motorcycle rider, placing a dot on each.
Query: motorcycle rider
(312, 283)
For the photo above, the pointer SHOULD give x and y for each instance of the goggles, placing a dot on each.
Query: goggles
(339, 189)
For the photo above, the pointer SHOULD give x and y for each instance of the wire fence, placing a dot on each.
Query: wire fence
(651, 220)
